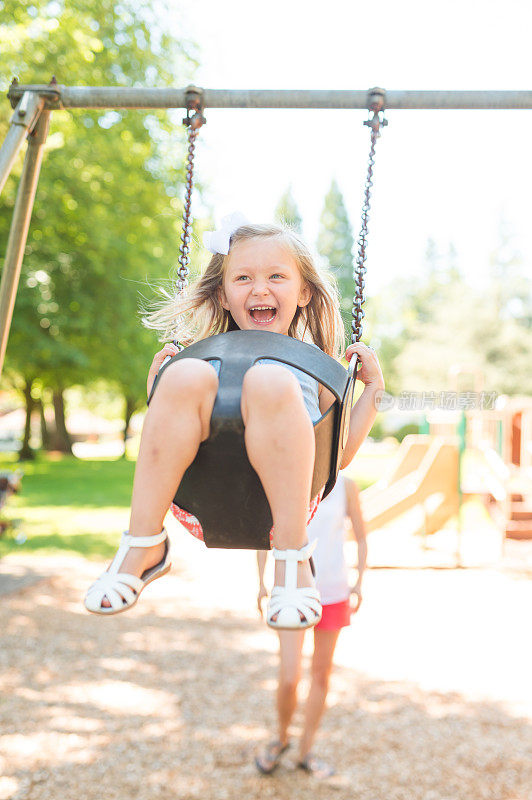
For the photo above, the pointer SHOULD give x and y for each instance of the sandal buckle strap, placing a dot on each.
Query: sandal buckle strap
(295, 555)
(143, 541)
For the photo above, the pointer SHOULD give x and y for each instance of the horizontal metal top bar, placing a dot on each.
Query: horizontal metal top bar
(58, 96)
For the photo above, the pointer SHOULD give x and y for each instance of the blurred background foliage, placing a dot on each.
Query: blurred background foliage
(107, 214)
(107, 219)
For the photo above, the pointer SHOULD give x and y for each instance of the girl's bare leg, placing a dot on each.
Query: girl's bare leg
(280, 444)
(178, 420)
(290, 652)
(322, 662)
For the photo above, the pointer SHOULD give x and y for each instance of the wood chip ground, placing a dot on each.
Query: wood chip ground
(431, 698)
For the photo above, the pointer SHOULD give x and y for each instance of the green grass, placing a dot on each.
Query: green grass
(68, 505)
(68, 481)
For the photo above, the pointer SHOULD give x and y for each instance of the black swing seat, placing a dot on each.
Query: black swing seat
(220, 487)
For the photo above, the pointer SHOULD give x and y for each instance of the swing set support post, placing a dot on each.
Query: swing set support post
(20, 225)
(23, 120)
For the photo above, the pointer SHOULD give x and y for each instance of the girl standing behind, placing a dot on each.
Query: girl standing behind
(339, 601)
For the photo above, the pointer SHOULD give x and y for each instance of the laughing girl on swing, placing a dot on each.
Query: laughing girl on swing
(260, 278)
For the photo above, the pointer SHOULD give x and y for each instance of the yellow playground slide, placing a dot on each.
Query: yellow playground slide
(426, 474)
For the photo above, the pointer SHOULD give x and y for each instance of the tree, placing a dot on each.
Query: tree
(335, 243)
(511, 285)
(446, 323)
(106, 213)
(287, 212)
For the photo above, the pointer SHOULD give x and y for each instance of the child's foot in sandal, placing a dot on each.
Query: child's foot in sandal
(316, 767)
(138, 561)
(295, 601)
(270, 758)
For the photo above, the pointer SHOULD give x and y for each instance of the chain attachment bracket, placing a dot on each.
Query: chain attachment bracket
(194, 103)
(376, 104)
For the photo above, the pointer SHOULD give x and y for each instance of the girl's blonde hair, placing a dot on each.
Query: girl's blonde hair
(197, 312)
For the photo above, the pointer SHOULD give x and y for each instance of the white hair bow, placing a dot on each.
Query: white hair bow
(218, 241)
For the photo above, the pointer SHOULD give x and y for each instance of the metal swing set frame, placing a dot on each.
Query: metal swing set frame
(224, 453)
(34, 103)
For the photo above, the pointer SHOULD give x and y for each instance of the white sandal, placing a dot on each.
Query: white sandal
(289, 602)
(122, 589)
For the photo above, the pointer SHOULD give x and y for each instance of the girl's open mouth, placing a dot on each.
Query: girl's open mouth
(263, 315)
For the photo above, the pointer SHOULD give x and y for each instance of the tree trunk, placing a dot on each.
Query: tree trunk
(130, 408)
(26, 453)
(62, 440)
(45, 433)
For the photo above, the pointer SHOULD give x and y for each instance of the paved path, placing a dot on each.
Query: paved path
(431, 698)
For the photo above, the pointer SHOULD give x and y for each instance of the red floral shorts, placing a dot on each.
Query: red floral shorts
(193, 525)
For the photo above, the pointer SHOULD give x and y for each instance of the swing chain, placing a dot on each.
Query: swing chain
(376, 99)
(194, 102)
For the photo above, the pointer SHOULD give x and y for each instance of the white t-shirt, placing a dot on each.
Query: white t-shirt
(329, 526)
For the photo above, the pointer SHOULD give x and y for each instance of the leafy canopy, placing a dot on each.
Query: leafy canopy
(107, 214)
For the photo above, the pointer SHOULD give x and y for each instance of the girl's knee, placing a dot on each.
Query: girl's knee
(189, 375)
(288, 684)
(267, 382)
(321, 677)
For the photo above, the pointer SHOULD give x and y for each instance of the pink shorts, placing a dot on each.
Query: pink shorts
(335, 616)
(193, 525)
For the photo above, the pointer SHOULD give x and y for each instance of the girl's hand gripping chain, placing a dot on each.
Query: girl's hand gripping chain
(168, 351)
(365, 409)
(369, 371)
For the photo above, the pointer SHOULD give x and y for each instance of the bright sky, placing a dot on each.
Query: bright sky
(450, 175)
